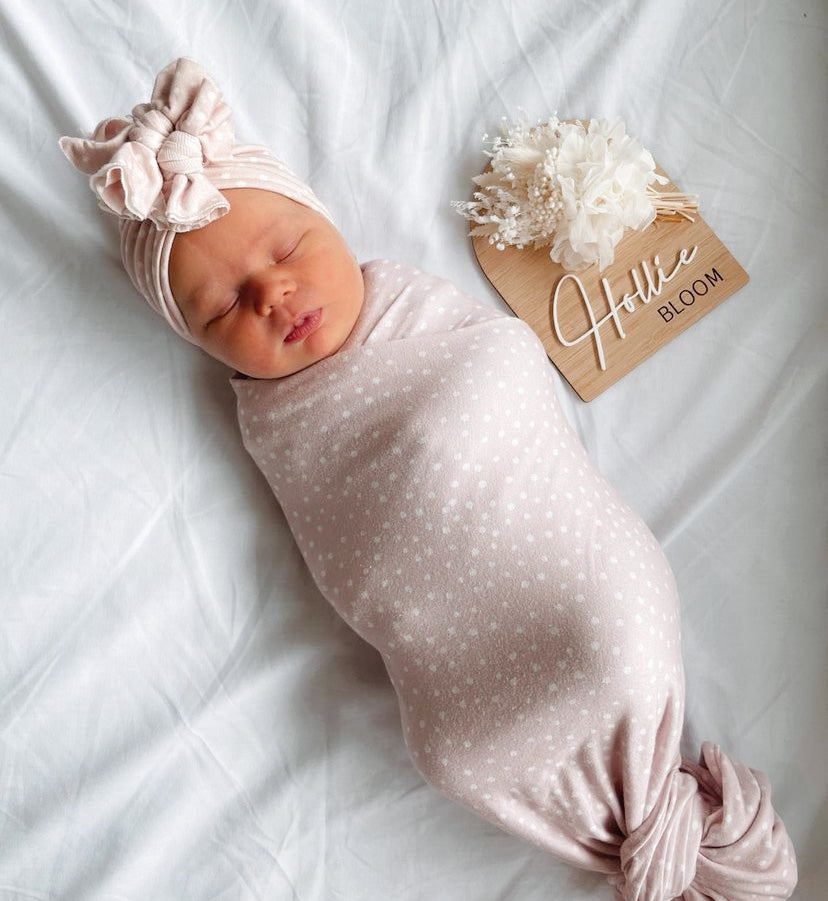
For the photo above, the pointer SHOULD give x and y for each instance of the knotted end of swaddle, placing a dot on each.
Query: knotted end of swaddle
(713, 834)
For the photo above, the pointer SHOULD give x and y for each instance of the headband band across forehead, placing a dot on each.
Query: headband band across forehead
(161, 171)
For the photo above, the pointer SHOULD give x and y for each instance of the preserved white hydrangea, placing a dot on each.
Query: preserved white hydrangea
(574, 187)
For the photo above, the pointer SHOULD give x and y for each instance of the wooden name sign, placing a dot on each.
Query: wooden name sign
(597, 326)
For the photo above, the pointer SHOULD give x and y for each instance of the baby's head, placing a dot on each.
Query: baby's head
(228, 245)
(269, 288)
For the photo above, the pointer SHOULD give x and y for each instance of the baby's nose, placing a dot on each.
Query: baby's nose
(270, 289)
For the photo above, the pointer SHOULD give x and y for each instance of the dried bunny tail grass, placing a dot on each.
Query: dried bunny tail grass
(519, 204)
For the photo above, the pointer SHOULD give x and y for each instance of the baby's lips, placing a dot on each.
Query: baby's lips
(307, 323)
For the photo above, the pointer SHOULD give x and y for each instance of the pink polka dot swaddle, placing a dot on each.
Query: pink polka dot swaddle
(528, 619)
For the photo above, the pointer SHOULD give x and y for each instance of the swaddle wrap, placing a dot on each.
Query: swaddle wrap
(528, 620)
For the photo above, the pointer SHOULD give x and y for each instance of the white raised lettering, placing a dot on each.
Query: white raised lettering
(652, 286)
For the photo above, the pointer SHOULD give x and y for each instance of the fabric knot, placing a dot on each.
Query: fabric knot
(180, 153)
(658, 859)
(712, 834)
(151, 127)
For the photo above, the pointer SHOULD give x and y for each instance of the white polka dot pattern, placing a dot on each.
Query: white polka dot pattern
(528, 619)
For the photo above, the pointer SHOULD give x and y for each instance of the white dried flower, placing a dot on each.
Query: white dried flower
(573, 188)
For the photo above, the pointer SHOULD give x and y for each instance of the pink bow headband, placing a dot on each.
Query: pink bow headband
(161, 171)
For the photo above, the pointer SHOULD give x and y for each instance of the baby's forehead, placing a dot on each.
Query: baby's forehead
(252, 211)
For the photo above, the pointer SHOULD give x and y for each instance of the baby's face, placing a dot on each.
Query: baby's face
(244, 281)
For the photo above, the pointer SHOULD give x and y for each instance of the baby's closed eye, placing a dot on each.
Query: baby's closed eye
(224, 306)
(286, 250)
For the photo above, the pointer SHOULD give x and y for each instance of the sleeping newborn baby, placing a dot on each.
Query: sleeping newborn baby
(528, 620)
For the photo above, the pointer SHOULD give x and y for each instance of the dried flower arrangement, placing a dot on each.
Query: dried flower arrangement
(574, 187)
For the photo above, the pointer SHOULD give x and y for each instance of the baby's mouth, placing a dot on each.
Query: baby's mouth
(309, 323)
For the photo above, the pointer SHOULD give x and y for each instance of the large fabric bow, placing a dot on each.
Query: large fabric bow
(150, 165)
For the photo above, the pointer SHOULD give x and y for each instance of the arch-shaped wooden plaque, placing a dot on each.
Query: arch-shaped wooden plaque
(598, 326)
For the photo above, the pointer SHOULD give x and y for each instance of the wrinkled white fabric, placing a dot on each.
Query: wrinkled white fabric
(528, 619)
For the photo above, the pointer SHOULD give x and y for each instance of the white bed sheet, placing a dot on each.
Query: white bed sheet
(181, 714)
